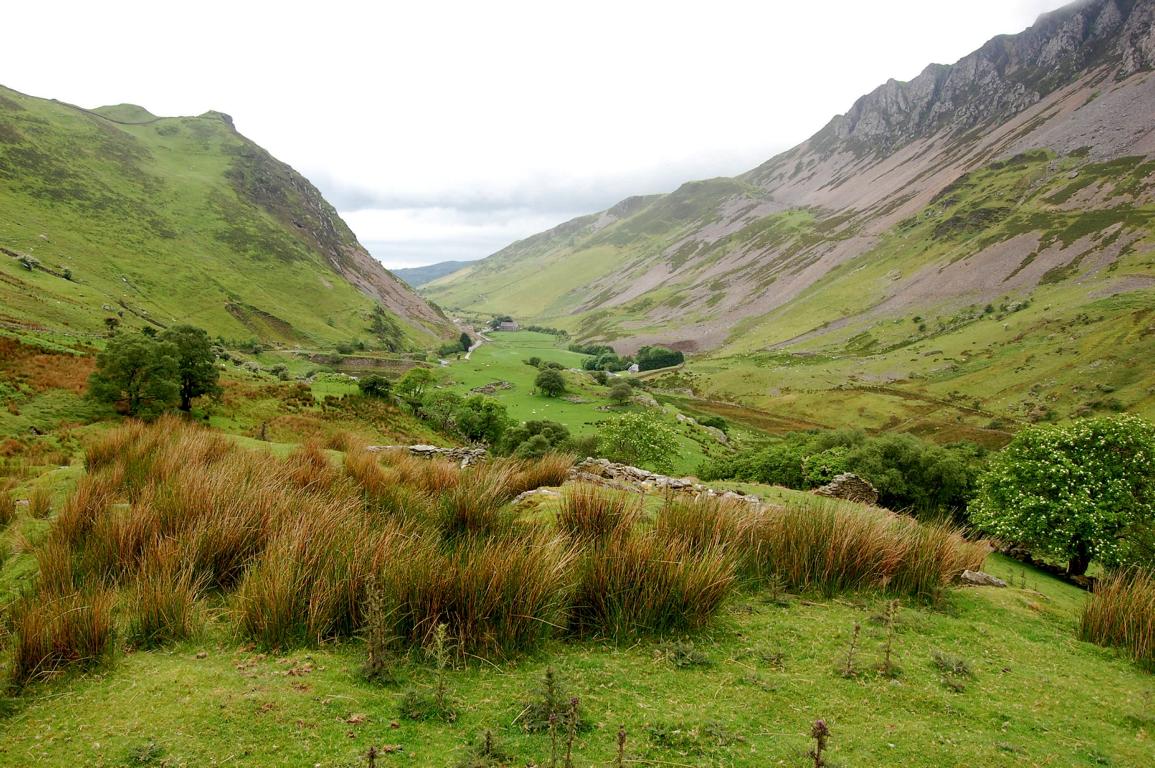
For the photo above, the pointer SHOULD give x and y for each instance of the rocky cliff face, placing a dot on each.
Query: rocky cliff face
(1007, 75)
(293, 200)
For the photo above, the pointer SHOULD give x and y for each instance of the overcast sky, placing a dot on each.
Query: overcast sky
(448, 130)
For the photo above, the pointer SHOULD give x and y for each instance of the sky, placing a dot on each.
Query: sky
(447, 130)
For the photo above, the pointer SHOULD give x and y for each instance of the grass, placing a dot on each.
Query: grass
(1121, 613)
(254, 628)
(91, 195)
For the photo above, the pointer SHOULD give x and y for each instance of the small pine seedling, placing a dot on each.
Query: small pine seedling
(888, 667)
(571, 722)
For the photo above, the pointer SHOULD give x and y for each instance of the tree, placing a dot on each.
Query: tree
(139, 371)
(413, 384)
(465, 341)
(481, 419)
(375, 386)
(621, 393)
(550, 382)
(650, 358)
(196, 362)
(1084, 491)
(440, 407)
(640, 439)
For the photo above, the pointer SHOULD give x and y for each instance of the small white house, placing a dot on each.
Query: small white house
(508, 325)
(633, 368)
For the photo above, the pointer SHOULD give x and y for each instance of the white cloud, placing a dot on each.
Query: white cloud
(488, 107)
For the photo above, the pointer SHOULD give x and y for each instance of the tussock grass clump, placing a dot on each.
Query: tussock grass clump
(1121, 613)
(705, 523)
(429, 475)
(476, 505)
(162, 602)
(646, 583)
(57, 575)
(53, 633)
(594, 514)
(7, 507)
(495, 596)
(40, 502)
(309, 469)
(94, 493)
(833, 547)
(529, 474)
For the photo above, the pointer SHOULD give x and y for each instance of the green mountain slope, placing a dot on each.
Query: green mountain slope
(892, 248)
(116, 212)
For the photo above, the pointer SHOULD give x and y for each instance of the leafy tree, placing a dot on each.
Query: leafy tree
(196, 362)
(550, 382)
(621, 393)
(556, 436)
(375, 386)
(482, 419)
(440, 408)
(650, 358)
(465, 341)
(413, 384)
(1084, 491)
(112, 324)
(533, 448)
(139, 371)
(640, 439)
(600, 377)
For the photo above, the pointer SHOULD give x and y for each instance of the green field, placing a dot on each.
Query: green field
(584, 405)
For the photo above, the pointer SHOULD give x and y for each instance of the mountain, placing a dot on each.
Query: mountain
(419, 276)
(940, 226)
(117, 212)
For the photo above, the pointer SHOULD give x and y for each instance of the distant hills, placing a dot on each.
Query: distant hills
(994, 215)
(114, 212)
(419, 276)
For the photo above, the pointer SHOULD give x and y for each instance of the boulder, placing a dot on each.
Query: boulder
(979, 579)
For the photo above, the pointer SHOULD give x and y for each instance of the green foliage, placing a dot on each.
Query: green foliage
(375, 386)
(550, 382)
(140, 372)
(640, 439)
(621, 393)
(600, 377)
(414, 383)
(196, 363)
(1084, 491)
(908, 473)
(439, 407)
(481, 419)
(649, 358)
(534, 439)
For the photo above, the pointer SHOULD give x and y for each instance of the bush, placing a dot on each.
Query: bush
(640, 439)
(550, 382)
(375, 386)
(556, 436)
(1084, 491)
(621, 394)
(650, 358)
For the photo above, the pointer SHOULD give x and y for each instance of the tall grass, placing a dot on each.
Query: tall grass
(7, 506)
(646, 583)
(1121, 613)
(496, 596)
(40, 502)
(55, 632)
(591, 513)
(834, 547)
(171, 513)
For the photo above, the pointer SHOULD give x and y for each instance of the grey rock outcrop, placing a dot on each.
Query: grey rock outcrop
(466, 456)
(850, 487)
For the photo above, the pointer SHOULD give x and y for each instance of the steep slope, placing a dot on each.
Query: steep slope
(754, 262)
(116, 212)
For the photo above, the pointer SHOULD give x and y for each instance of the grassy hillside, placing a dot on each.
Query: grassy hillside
(991, 677)
(116, 213)
(418, 276)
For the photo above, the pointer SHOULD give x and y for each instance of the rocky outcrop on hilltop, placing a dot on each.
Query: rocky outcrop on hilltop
(1004, 77)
